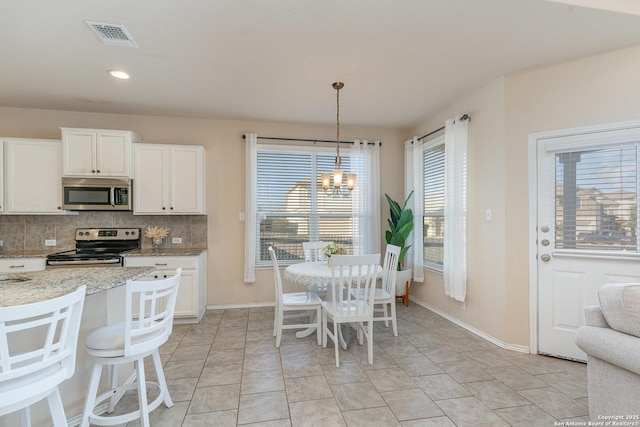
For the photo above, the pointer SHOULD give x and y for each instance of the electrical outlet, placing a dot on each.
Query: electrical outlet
(1, 243)
(241, 216)
(50, 242)
(177, 240)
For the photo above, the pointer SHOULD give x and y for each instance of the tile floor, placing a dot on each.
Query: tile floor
(226, 371)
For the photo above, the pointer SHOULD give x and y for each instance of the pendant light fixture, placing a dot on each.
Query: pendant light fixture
(337, 175)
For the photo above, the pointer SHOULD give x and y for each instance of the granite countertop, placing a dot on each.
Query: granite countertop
(165, 252)
(42, 253)
(37, 253)
(34, 286)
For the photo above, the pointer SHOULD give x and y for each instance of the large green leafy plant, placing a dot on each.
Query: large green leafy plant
(400, 226)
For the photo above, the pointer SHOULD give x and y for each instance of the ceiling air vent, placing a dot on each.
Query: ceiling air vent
(112, 34)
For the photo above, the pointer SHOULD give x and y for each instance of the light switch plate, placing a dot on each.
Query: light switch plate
(50, 242)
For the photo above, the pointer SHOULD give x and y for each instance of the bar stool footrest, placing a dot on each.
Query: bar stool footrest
(102, 420)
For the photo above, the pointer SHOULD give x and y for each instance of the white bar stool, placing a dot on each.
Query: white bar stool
(149, 309)
(50, 329)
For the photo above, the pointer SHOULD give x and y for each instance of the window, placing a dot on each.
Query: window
(291, 206)
(433, 218)
(597, 199)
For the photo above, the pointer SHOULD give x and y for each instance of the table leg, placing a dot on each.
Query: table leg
(308, 331)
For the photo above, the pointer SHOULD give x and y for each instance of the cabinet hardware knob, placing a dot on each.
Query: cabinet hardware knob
(93, 171)
(98, 171)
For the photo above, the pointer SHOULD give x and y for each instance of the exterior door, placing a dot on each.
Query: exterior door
(587, 206)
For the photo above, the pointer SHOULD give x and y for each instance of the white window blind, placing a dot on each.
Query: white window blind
(433, 228)
(597, 199)
(293, 208)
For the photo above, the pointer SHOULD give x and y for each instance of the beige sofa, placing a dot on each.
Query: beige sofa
(611, 339)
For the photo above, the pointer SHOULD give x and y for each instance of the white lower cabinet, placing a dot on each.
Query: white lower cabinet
(21, 265)
(192, 293)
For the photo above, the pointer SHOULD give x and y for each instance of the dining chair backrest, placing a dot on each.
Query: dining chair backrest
(277, 279)
(149, 310)
(389, 269)
(354, 281)
(314, 251)
(52, 328)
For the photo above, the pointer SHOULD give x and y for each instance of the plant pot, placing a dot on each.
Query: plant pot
(403, 281)
(402, 278)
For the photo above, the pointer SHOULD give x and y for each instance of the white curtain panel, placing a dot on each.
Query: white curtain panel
(455, 209)
(365, 198)
(413, 181)
(250, 238)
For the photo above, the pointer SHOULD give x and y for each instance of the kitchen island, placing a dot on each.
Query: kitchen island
(35, 286)
(103, 305)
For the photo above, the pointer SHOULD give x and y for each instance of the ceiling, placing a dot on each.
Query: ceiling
(401, 61)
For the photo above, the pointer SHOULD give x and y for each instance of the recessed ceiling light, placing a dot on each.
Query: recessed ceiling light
(119, 74)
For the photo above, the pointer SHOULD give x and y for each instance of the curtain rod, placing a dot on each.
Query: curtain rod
(463, 118)
(274, 138)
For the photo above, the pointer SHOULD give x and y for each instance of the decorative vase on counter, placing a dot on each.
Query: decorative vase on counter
(157, 241)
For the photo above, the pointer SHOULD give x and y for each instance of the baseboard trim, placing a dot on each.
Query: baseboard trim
(478, 332)
(231, 306)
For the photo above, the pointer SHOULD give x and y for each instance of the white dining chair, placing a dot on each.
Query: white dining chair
(148, 323)
(384, 298)
(351, 299)
(294, 301)
(314, 251)
(30, 374)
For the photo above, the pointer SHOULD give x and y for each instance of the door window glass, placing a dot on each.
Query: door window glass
(596, 199)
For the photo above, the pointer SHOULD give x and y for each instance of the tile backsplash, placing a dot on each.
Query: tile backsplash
(29, 232)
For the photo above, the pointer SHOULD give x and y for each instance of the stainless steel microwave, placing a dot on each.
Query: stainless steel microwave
(96, 194)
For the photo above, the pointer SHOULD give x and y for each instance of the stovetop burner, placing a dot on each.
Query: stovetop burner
(98, 246)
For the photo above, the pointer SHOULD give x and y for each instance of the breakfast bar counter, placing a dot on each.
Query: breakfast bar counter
(35, 286)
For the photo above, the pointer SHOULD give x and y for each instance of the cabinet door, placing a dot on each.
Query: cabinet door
(186, 303)
(34, 176)
(150, 185)
(187, 179)
(79, 153)
(113, 154)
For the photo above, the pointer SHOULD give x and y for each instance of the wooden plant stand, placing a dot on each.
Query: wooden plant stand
(405, 297)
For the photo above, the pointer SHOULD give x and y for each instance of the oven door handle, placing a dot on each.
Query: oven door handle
(85, 262)
(112, 196)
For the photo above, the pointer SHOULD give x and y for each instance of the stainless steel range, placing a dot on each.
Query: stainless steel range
(97, 247)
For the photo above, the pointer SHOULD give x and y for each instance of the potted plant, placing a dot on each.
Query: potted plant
(400, 226)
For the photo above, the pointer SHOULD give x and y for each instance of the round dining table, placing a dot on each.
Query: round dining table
(313, 275)
(316, 276)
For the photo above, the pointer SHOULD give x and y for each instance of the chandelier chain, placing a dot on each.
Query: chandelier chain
(338, 119)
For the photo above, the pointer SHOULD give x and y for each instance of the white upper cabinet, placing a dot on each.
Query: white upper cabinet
(98, 152)
(33, 176)
(169, 179)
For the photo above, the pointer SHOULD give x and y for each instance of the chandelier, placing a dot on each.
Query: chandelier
(338, 174)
